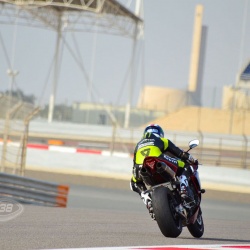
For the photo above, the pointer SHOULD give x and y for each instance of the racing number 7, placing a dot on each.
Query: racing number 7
(145, 152)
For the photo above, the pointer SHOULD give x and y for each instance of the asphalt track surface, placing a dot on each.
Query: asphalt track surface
(105, 213)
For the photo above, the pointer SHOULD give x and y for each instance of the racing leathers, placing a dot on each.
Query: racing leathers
(153, 145)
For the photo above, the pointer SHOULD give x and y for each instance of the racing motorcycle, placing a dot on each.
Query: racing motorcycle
(168, 208)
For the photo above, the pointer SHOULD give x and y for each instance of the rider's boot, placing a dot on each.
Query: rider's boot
(137, 186)
(150, 209)
(146, 197)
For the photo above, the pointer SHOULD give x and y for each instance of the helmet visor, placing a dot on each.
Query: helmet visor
(156, 131)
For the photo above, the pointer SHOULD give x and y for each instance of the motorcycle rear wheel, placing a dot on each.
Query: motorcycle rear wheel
(165, 214)
(197, 229)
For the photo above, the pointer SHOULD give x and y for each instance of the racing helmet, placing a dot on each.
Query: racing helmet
(154, 128)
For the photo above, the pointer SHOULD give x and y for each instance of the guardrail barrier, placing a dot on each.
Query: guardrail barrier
(32, 191)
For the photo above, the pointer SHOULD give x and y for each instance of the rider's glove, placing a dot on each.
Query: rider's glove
(187, 157)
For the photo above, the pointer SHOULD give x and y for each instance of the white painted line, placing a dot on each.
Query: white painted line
(106, 153)
(62, 149)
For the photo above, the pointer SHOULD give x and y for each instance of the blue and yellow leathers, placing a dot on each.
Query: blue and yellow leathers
(153, 145)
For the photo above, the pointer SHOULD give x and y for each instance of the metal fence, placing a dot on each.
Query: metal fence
(14, 123)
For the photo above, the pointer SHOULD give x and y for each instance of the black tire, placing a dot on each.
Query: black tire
(197, 229)
(164, 211)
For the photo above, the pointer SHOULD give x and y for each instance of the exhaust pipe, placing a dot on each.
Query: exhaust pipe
(163, 167)
(146, 177)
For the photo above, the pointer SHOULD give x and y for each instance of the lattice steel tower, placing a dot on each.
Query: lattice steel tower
(74, 15)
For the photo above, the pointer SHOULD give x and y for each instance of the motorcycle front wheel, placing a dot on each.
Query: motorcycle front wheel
(164, 209)
(197, 229)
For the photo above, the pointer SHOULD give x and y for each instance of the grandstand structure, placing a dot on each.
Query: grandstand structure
(110, 16)
(77, 15)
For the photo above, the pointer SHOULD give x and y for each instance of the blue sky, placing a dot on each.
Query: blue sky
(164, 54)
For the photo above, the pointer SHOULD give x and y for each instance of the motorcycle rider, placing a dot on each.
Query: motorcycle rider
(153, 143)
